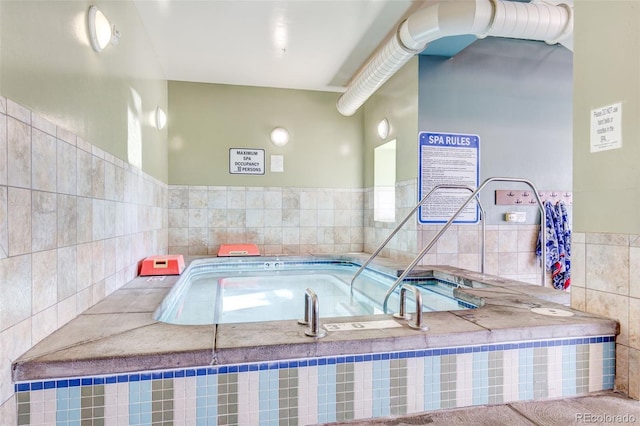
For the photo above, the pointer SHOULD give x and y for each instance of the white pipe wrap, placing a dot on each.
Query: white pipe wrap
(379, 69)
(528, 21)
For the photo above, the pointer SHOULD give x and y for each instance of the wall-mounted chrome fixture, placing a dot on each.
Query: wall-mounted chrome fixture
(161, 118)
(101, 32)
(383, 128)
(279, 136)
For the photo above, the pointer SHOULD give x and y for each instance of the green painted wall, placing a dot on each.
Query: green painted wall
(397, 100)
(606, 184)
(46, 64)
(206, 120)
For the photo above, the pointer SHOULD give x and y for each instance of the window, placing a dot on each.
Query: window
(384, 183)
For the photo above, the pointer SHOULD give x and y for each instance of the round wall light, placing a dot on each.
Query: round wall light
(99, 29)
(101, 32)
(161, 118)
(279, 136)
(383, 128)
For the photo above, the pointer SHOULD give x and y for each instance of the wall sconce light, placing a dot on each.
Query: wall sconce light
(383, 128)
(279, 136)
(101, 32)
(161, 118)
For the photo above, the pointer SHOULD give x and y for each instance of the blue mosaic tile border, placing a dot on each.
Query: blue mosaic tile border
(278, 365)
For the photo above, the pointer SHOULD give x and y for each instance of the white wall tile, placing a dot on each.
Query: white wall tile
(43, 169)
(3, 149)
(4, 232)
(66, 136)
(602, 260)
(84, 164)
(198, 198)
(84, 229)
(41, 123)
(198, 218)
(18, 112)
(44, 226)
(97, 261)
(43, 323)
(66, 272)
(273, 198)
(236, 198)
(97, 220)
(18, 153)
(44, 267)
(97, 178)
(19, 221)
(66, 169)
(15, 292)
(83, 266)
(216, 197)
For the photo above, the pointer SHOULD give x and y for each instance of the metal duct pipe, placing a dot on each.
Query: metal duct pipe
(527, 21)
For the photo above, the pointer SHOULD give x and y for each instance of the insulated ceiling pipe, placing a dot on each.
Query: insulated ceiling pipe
(528, 21)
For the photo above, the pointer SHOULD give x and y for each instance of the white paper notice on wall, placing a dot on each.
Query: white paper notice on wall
(606, 128)
(277, 163)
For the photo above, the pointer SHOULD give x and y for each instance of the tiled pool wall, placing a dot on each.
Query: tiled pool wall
(74, 223)
(337, 220)
(605, 280)
(304, 391)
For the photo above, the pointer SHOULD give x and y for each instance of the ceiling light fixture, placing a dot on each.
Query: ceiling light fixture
(101, 32)
(279, 136)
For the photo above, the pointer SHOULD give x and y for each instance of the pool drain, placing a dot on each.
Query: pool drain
(552, 312)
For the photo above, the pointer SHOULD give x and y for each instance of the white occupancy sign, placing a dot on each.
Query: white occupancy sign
(606, 128)
(246, 161)
(448, 159)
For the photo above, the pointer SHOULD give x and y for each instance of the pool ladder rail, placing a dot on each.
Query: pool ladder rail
(474, 195)
(312, 315)
(403, 315)
(312, 311)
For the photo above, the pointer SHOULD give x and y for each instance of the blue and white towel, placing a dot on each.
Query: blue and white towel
(558, 244)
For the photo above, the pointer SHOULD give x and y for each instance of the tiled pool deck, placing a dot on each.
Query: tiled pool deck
(115, 361)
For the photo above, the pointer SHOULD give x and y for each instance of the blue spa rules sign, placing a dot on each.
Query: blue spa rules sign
(453, 159)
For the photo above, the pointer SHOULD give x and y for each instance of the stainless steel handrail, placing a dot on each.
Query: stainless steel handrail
(408, 216)
(428, 247)
(418, 313)
(312, 315)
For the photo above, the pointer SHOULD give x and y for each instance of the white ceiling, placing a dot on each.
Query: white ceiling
(297, 44)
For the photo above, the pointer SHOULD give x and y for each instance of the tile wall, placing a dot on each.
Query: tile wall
(326, 389)
(331, 220)
(606, 281)
(509, 248)
(74, 222)
(278, 220)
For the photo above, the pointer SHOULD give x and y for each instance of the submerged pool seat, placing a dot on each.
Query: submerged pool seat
(231, 250)
(168, 264)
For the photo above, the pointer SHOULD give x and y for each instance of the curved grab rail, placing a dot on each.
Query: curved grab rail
(407, 217)
(417, 325)
(312, 315)
(456, 214)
